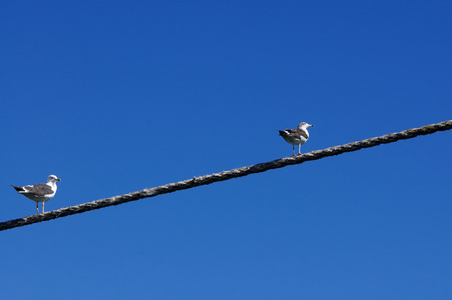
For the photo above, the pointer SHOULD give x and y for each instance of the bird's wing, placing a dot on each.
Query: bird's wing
(297, 132)
(40, 189)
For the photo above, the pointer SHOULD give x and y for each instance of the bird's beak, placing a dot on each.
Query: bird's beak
(58, 179)
(311, 125)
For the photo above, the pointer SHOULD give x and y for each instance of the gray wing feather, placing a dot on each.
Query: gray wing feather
(297, 132)
(40, 189)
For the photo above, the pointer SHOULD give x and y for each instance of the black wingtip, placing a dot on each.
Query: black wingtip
(17, 188)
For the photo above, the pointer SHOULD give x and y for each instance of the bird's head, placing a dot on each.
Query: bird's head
(304, 125)
(53, 178)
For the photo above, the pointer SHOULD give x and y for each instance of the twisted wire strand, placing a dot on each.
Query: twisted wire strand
(226, 175)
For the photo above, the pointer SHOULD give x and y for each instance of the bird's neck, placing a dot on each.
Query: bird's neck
(52, 185)
(305, 130)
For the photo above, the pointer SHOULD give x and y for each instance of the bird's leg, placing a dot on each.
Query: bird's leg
(43, 207)
(299, 149)
(293, 148)
(37, 207)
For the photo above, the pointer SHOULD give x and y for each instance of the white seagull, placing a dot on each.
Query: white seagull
(297, 136)
(41, 192)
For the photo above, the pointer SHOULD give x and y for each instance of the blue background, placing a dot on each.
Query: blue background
(118, 96)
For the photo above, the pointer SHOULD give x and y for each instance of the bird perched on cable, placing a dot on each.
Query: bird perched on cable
(41, 192)
(297, 136)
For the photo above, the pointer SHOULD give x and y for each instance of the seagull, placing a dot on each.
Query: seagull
(41, 192)
(297, 136)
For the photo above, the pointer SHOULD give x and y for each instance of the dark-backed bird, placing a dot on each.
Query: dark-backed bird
(297, 136)
(40, 192)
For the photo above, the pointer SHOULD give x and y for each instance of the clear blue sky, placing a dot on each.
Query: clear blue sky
(118, 96)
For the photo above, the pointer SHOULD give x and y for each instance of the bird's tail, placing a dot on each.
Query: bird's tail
(18, 188)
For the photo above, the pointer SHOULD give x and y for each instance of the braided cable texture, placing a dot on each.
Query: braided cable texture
(226, 175)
